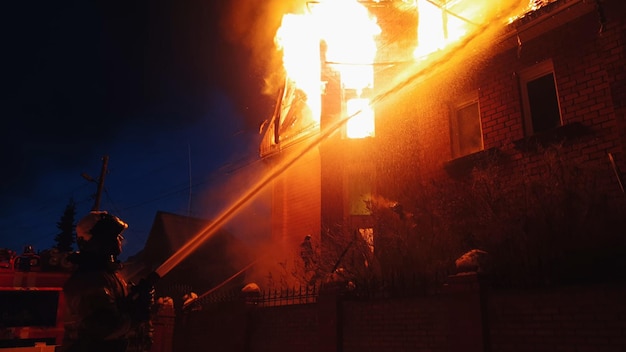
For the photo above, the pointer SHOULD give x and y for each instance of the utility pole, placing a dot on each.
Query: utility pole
(99, 181)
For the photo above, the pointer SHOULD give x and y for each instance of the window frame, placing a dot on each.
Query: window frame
(527, 76)
(362, 176)
(455, 129)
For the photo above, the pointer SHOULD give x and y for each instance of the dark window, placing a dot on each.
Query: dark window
(542, 100)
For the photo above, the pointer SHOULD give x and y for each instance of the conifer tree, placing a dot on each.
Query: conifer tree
(65, 238)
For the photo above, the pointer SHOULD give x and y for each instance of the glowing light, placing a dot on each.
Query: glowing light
(299, 42)
(361, 125)
(348, 31)
(439, 25)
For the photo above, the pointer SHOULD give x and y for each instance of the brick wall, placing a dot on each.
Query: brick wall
(566, 319)
(163, 324)
(286, 328)
(584, 56)
(220, 327)
(296, 200)
(461, 317)
(396, 325)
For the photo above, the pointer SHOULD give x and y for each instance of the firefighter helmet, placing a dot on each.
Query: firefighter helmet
(99, 232)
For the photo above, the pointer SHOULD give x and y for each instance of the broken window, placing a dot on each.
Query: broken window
(540, 98)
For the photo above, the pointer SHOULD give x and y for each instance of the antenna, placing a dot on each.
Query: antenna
(189, 156)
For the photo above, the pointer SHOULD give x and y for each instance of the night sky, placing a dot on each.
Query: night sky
(171, 91)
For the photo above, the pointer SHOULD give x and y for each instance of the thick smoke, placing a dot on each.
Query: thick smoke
(253, 24)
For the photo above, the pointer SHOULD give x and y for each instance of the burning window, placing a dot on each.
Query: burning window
(361, 123)
(466, 131)
(540, 99)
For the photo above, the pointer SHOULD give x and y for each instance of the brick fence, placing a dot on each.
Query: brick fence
(462, 316)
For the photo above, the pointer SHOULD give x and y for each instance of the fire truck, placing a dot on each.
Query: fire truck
(31, 301)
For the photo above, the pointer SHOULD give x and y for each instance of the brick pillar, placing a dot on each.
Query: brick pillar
(467, 320)
(329, 318)
(163, 324)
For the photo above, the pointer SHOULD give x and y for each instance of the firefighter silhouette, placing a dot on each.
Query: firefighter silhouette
(306, 252)
(28, 260)
(104, 313)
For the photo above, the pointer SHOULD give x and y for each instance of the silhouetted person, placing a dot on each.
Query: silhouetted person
(28, 260)
(306, 252)
(104, 313)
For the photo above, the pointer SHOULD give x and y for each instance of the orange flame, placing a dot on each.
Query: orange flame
(348, 31)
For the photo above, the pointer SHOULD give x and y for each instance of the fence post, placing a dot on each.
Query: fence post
(330, 317)
(467, 318)
(163, 325)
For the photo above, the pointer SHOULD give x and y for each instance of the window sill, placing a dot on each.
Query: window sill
(463, 166)
(557, 135)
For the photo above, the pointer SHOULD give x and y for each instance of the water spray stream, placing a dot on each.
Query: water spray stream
(234, 276)
(421, 73)
(231, 211)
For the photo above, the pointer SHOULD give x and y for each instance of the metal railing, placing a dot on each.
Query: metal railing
(265, 298)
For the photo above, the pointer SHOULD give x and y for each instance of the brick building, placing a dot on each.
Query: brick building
(513, 132)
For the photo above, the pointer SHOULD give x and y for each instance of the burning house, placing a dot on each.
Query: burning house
(427, 128)
(456, 141)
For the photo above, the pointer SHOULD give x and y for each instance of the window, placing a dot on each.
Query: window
(539, 98)
(361, 125)
(358, 188)
(359, 193)
(467, 136)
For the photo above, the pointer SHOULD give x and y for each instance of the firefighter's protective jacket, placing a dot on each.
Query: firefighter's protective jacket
(100, 315)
